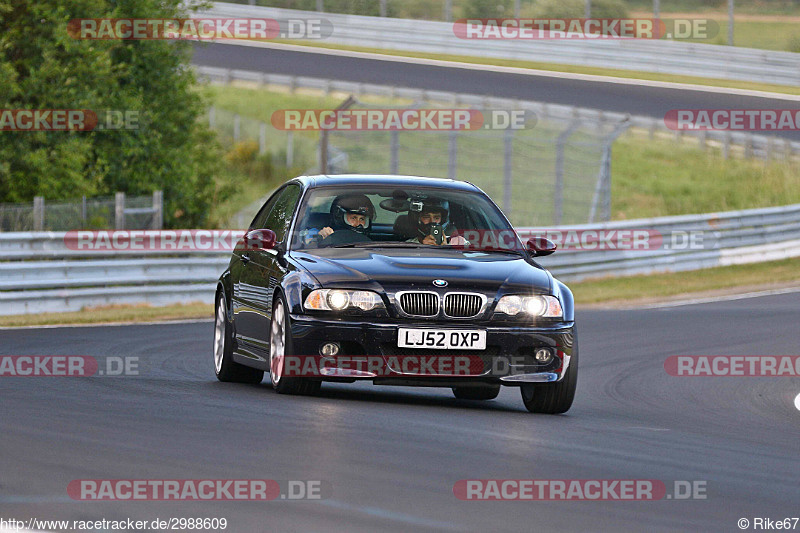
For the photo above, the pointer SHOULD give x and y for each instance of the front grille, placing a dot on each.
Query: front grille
(462, 305)
(420, 303)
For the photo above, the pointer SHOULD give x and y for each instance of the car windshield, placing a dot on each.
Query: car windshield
(367, 216)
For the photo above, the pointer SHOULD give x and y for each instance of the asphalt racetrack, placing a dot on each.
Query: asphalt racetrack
(390, 457)
(630, 98)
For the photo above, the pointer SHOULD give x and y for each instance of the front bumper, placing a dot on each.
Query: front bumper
(368, 350)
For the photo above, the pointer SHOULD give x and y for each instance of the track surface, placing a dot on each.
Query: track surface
(623, 98)
(392, 455)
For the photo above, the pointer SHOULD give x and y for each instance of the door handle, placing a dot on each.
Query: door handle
(245, 258)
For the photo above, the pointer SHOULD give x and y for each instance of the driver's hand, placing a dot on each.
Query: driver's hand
(429, 239)
(324, 232)
(458, 240)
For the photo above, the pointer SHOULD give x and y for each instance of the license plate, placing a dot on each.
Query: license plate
(442, 339)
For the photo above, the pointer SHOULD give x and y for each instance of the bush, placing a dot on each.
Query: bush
(42, 66)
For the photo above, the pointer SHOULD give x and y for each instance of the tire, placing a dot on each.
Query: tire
(554, 398)
(476, 393)
(280, 345)
(225, 367)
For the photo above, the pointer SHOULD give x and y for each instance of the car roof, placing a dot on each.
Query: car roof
(323, 180)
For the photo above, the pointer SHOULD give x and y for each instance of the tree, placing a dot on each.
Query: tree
(43, 67)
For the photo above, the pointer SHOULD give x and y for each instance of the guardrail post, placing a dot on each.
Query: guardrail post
(236, 127)
(702, 139)
(748, 146)
(558, 194)
(508, 159)
(262, 138)
(119, 210)
(394, 146)
(452, 154)
(38, 213)
(603, 187)
(383, 8)
(320, 6)
(158, 210)
(448, 10)
(83, 211)
(289, 148)
(212, 117)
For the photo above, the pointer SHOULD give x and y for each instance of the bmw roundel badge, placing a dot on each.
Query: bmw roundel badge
(440, 283)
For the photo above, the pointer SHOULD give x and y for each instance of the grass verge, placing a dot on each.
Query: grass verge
(113, 313)
(661, 287)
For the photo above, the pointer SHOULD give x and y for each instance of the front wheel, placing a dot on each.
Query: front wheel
(280, 345)
(225, 367)
(554, 398)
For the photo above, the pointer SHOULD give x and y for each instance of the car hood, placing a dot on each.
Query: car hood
(416, 268)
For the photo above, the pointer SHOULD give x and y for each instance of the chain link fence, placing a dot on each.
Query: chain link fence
(117, 212)
(556, 172)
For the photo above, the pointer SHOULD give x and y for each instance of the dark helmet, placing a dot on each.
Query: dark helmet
(429, 205)
(352, 204)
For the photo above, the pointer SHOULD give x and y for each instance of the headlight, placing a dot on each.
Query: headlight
(339, 300)
(544, 306)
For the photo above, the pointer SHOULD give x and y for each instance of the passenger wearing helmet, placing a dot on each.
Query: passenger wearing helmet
(351, 218)
(430, 220)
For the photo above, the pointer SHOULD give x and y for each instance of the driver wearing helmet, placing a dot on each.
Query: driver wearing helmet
(351, 218)
(431, 223)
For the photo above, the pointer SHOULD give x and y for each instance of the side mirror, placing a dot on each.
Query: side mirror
(259, 239)
(539, 246)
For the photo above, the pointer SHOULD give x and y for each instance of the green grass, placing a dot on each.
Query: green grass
(752, 277)
(651, 178)
(661, 177)
(116, 313)
(743, 7)
(757, 34)
(557, 67)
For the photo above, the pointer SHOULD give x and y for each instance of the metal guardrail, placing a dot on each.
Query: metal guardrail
(746, 144)
(38, 273)
(663, 56)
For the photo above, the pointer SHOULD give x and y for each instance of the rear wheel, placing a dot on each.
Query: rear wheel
(280, 345)
(554, 398)
(476, 393)
(225, 367)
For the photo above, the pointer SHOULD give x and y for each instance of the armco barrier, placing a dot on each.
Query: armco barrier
(38, 273)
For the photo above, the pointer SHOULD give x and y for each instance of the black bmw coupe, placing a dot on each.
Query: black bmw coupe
(398, 280)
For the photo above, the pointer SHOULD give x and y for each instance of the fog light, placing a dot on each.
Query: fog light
(329, 348)
(544, 355)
